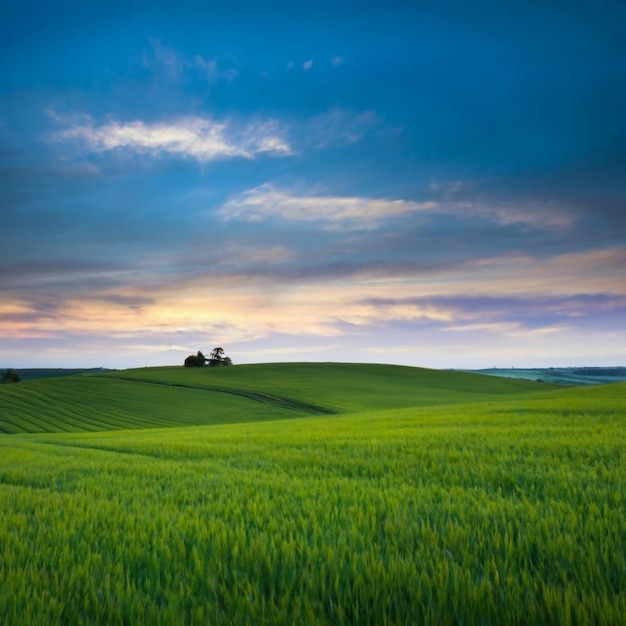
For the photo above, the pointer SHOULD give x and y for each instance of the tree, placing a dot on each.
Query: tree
(216, 359)
(9, 376)
(196, 360)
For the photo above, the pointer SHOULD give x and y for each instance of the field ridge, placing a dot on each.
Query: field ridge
(258, 396)
(176, 396)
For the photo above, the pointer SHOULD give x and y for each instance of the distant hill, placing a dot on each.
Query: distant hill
(179, 396)
(561, 375)
(554, 375)
(35, 373)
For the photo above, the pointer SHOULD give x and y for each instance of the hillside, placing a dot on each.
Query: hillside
(341, 387)
(176, 396)
(34, 373)
(503, 511)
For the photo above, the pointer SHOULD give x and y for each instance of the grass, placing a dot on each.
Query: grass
(176, 396)
(94, 403)
(345, 387)
(505, 510)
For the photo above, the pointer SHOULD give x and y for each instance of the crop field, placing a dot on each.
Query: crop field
(176, 396)
(435, 498)
(92, 403)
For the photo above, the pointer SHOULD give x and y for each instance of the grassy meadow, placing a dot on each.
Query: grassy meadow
(311, 494)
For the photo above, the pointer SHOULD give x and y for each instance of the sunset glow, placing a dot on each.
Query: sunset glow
(394, 182)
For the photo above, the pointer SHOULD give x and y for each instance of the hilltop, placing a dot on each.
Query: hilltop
(176, 396)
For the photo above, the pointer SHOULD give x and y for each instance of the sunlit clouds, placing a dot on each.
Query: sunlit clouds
(355, 213)
(194, 137)
(513, 299)
(394, 184)
(336, 212)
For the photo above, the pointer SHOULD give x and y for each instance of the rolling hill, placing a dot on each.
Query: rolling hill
(397, 495)
(175, 396)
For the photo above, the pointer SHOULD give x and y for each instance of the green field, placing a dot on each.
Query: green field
(177, 396)
(311, 494)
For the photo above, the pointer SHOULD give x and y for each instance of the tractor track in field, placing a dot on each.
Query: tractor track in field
(258, 396)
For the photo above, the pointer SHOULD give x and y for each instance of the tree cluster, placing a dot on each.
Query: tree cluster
(9, 376)
(216, 359)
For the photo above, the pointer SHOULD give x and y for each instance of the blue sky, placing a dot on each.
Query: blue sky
(439, 184)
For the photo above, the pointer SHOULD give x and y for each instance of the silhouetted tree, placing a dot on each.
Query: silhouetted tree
(9, 376)
(217, 358)
(195, 360)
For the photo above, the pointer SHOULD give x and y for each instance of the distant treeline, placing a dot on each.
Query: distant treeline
(615, 372)
(33, 373)
(573, 376)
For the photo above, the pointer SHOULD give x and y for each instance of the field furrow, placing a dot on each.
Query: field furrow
(257, 396)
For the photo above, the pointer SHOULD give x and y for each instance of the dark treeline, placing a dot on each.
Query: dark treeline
(216, 358)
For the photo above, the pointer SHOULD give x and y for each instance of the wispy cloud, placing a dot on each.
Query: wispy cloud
(472, 198)
(337, 212)
(201, 138)
(359, 212)
(213, 71)
(167, 63)
(164, 59)
(342, 127)
(533, 215)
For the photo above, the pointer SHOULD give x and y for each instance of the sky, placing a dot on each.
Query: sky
(438, 184)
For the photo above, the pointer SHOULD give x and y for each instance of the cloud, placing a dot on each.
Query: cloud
(359, 212)
(337, 212)
(540, 216)
(169, 64)
(537, 314)
(307, 65)
(201, 138)
(475, 199)
(514, 300)
(212, 70)
(342, 127)
(165, 60)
